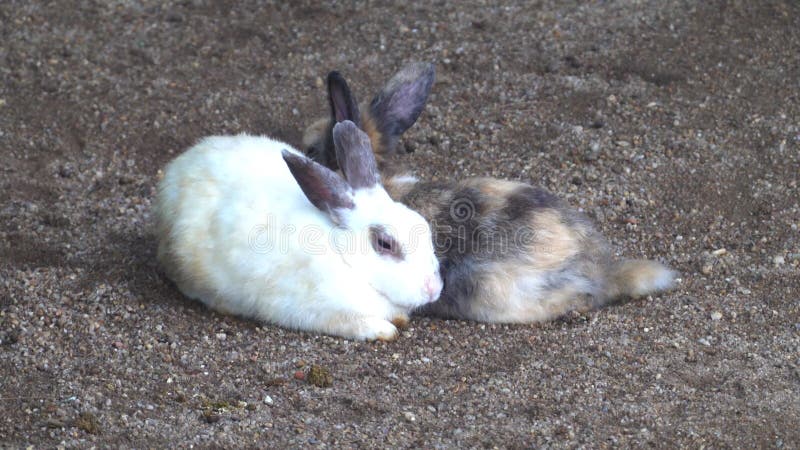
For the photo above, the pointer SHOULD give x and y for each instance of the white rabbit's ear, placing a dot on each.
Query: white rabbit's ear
(354, 154)
(324, 188)
(398, 105)
(343, 103)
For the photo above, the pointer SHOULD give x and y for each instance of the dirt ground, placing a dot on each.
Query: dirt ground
(674, 124)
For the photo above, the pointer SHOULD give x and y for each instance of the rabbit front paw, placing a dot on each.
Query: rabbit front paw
(379, 329)
(400, 321)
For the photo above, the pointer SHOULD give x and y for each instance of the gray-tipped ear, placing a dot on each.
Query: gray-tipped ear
(398, 105)
(354, 153)
(324, 188)
(343, 102)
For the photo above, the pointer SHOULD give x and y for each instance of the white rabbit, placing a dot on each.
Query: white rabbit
(250, 226)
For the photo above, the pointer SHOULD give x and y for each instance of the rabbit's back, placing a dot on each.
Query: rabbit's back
(229, 164)
(510, 252)
(220, 208)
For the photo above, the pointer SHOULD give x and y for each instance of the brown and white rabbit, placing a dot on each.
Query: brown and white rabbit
(509, 252)
(252, 227)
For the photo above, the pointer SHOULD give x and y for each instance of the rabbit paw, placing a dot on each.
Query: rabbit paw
(379, 329)
(400, 321)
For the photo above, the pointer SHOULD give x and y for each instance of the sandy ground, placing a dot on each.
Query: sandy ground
(674, 125)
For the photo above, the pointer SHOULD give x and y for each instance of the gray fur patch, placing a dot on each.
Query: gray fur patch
(526, 199)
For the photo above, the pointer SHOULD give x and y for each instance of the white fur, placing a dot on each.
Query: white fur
(221, 209)
(405, 179)
(655, 279)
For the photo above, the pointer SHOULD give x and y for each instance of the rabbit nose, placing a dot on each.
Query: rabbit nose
(433, 286)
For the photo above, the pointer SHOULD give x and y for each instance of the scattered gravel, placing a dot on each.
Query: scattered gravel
(674, 125)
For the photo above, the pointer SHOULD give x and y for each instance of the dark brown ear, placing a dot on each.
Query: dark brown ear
(354, 153)
(398, 105)
(324, 188)
(343, 102)
(343, 107)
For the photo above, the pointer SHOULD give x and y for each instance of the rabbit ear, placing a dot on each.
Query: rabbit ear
(324, 188)
(343, 103)
(398, 105)
(354, 154)
(317, 139)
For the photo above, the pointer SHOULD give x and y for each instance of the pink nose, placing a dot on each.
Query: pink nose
(433, 287)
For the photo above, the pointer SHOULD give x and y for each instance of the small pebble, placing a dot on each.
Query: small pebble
(66, 171)
(174, 17)
(409, 416)
(778, 260)
(211, 417)
(268, 400)
(54, 423)
(716, 315)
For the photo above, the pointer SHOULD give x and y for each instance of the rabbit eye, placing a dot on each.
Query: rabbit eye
(384, 244)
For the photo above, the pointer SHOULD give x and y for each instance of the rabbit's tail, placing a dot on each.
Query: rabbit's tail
(637, 278)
